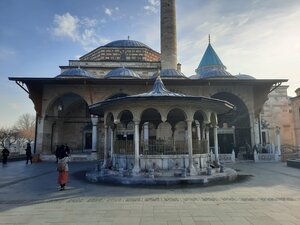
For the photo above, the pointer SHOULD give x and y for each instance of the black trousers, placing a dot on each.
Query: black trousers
(28, 158)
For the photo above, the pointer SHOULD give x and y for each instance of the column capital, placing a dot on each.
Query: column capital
(206, 122)
(94, 119)
(188, 120)
(136, 122)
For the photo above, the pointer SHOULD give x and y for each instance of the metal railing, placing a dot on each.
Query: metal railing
(160, 147)
(125, 147)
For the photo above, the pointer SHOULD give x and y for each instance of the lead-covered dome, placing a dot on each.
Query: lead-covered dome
(244, 77)
(122, 73)
(170, 73)
(76, 72)
(126, 44)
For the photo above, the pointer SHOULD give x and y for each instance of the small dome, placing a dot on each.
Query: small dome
(169, 73)
(126, 43)
(76, 72)
(244, 77)
(194, 77)
(122, 73)
(212, 72)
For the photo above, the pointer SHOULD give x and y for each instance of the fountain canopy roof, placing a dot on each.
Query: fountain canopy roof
(160, 93)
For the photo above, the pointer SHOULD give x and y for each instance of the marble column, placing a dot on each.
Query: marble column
(146, 135)
(112, 134)
(190, 147)
(198, 131)
(198, 136)
(216, 144)
(94, 120)
(203, 131)
(207, 137)
(105, 146)
(136, 168)
(278, 140)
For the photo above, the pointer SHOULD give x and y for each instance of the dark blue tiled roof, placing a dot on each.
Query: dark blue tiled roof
(126, 43)
(159, 92)
(76, 72)
(122, 73)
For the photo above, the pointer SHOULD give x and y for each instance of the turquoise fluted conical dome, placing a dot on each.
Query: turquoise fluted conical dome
(211, 65)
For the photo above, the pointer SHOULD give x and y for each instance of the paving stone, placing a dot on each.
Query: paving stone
(271, 196)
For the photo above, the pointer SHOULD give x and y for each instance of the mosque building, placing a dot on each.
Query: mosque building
(124, 98)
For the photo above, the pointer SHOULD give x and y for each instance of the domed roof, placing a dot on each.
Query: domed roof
(169, 73)
(215, 72)
(126, 43)
(122, 73)
(245, 77)
(76, 72)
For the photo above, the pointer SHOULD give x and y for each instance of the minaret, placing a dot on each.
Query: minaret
(168, 34)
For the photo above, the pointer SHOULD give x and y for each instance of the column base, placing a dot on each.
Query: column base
(104, 165)
(193, 171)
(136, 171)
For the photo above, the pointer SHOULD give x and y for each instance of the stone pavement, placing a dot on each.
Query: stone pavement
(29, 195)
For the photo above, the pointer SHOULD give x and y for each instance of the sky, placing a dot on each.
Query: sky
(260, 38)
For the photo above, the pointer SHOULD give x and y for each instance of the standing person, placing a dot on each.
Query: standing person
(67, 149)
(63, 168)
(28, 154)
(5, 154)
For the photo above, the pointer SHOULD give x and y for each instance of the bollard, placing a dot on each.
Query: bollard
(222, 167)
(121, 172)
(151, 173)
(208, 171)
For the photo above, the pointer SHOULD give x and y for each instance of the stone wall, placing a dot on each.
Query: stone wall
(277, 112)
(122, 54)
(295, 104)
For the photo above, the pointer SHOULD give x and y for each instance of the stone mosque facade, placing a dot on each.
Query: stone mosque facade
(71, 107)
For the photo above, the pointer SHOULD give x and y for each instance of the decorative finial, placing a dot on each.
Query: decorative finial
(208, 38)
(158, 73)
(128, 37)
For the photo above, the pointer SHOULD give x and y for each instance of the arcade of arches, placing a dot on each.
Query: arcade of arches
(68, 121)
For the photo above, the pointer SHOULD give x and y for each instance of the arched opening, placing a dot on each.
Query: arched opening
(124, 134)
(198, 134)
(150, 120)
(67, 122)
(234, 128)
(177, 119)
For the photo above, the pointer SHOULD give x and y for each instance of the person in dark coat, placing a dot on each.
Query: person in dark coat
(5, 154)
(67, 150)
(28, 154)
(57, 153)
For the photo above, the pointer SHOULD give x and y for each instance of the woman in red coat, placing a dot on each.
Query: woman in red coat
(63, 169)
